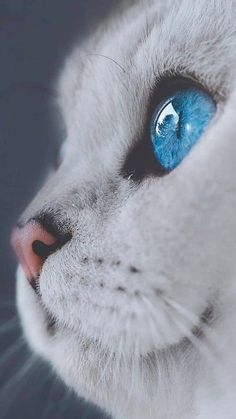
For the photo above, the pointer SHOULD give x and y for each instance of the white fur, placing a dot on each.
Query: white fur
(126, 350)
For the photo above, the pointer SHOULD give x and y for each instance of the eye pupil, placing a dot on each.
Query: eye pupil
(178, 123)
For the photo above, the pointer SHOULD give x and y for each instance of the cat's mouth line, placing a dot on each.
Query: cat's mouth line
(204, 320)
(53, 325)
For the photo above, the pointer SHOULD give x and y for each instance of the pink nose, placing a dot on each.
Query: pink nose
(32, 245)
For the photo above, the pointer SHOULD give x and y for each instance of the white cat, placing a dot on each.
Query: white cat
(133, 263)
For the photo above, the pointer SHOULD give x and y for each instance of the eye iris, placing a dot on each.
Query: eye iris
(178, 123)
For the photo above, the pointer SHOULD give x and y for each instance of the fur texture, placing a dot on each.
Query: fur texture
(146, 260)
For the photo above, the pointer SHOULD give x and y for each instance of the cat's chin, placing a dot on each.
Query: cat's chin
(83, 363)
(80, 363)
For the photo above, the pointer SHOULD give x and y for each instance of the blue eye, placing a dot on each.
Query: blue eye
(178, 123)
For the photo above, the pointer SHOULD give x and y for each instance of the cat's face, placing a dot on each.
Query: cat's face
(151, 260)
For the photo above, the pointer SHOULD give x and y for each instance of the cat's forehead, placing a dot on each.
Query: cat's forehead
(106, 84)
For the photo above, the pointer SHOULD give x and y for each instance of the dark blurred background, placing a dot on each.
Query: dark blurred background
(35, 36)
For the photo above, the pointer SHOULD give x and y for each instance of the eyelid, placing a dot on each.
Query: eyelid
(194, 79)
(168, 84)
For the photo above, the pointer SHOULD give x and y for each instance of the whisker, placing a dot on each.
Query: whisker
(34, 87)
(9, 325)
(13, 350)
(199, 345)
(221, 378)
(104, 370)
(164, 361)
(132, 367)
(210, 347)
(209, 352)
(118, 364)
(108, 363)
(183, 310)
(210, 337)
(158, 332)
(4, 304)
(48, 402)
(15, 380)
(108, 58)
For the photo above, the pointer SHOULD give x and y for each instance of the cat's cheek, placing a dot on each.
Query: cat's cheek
(32, 316)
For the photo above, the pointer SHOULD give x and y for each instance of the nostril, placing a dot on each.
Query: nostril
(33, 244)
(44, 250)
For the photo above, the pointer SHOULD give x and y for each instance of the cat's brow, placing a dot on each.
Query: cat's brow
(108, 58)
